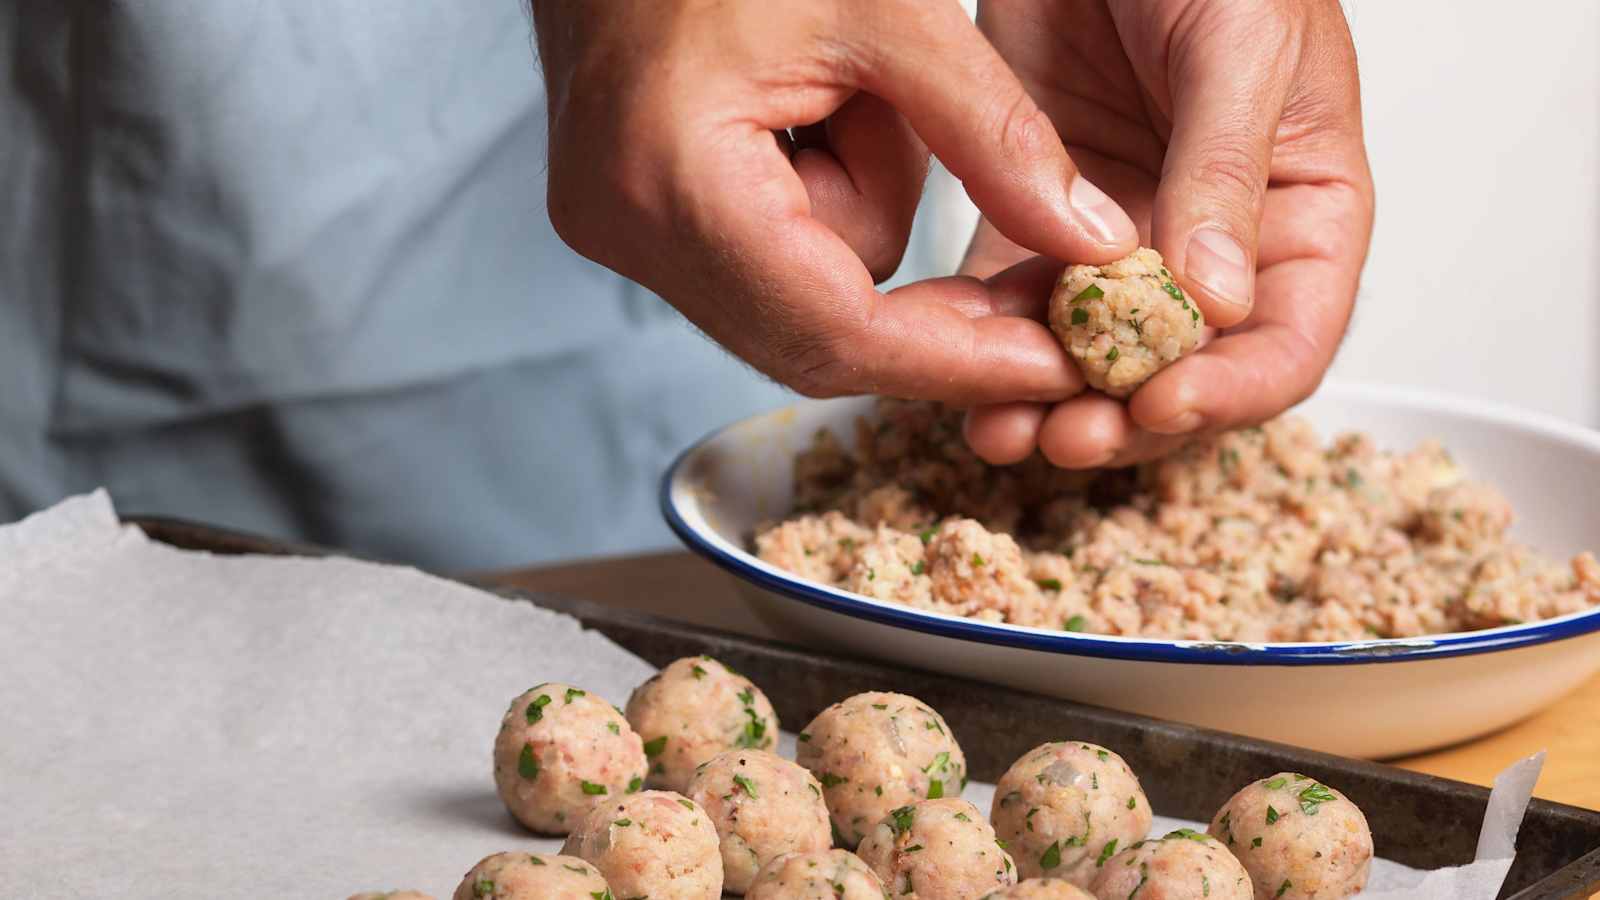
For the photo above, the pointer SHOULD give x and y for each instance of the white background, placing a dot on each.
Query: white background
(1483, 128)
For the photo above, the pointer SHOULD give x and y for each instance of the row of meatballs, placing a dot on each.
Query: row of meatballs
(680, 796)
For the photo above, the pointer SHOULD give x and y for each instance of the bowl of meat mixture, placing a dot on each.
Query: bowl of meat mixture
(1376, 572)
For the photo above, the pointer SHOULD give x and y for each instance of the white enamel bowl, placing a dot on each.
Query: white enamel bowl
(1371, 698)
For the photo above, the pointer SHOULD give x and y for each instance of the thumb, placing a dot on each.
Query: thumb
(967, 105)
(1226, 105)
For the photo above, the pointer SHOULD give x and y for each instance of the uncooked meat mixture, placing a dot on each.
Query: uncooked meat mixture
(1261, 534)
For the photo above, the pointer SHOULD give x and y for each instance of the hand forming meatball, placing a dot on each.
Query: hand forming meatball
(818, 875)
(1299, 839)
(654, 844)
(937, 850)
(1125, 321)
(1041, 889)
(1062, 804)
(559, 751)
(877, 751)
(531, 876)
(694, 709)
(1184, 865)
(762, 806)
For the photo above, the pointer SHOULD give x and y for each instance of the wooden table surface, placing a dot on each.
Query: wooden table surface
(683, 587)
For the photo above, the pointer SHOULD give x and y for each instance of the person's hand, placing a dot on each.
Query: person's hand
(1231, 131)
(670, 162)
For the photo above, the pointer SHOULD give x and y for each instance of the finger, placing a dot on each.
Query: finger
(1004, 433)
(1226, 106)
(1085, 432)
(990, 252)
(866, 180)
(760, 275)
(1253, 374)
(935, 66)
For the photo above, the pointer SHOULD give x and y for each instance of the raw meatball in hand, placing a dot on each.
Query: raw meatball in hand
(877, 751)
(694, 709)
(1184, 865)
(656, 844)
(1298, 839)
(819, 875)
(763, 807)
(1062, 804)
(559, 751)
(937, 850)
(531, 876)
(1125, 321)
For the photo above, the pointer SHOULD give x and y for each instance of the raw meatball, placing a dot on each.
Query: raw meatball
(1184, 865)
(877, 751)
(1125, 321)
(560, 750)
(762, 807)
(694, 709)
(1041, 889)
(818, 875)
(1298, 839)
(1060, 805)
(937, 850)
(531, 876)
(391, 895)
(656, 844)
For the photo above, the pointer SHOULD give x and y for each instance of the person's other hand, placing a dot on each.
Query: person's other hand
(1231, 131)
(671, 162)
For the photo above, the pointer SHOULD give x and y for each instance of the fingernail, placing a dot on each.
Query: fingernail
(1218, 263)
(1106, 221)
(1182, 423)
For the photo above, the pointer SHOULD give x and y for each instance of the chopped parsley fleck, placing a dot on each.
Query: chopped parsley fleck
(901, 818)
(1283, 888)
(803, 738)
(1080, 316)
(880, 706)
(573, 693)
(483, 887)
(927, 535)
(1148, 562)
(1076, 623)
(592, 789)
(622, 823)
(935, 789)
(1051, 857)
(1314, 796)
(602, 895)
(686, 804)
(528, 764)
(918, 567)
(1103, 755)
(535, 860)
(963, 817)
(913, 848)
(977, 560)
(1272, 814)
(1049, 584)
(1172, 290)
(829, 779)
(1255, 842)
(1276, 783)
(654, 746)
(579, 869)
(1092, 292)
(1132, 802)
(1112, 354)
(1188, 834)
(941, 761)
(1106, 853)
(634, 784)
(746, 785)
(697, 671)
(535, 710)
(613, 728)
(754, 733)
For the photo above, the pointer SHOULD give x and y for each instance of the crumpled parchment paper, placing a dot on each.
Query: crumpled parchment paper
(180, 725)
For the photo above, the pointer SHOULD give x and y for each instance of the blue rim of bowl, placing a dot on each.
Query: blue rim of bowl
(1377, 650)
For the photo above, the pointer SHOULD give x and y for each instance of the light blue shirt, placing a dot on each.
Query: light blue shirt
(286, 267)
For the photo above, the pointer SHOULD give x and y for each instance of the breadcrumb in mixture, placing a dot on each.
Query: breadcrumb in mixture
(1262, 534)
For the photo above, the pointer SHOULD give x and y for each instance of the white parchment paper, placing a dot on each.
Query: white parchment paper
(178, 725)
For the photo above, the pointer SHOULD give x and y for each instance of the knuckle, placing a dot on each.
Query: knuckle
(816, 365)
(1232, 173)
(1020, 128)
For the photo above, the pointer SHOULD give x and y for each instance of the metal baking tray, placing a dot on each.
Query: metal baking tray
(1187, 772)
